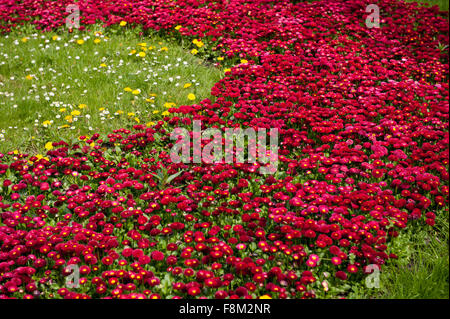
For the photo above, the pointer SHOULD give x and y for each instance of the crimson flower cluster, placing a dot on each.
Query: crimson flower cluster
(363, 121)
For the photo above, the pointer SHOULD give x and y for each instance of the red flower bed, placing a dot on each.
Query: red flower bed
(363, 121)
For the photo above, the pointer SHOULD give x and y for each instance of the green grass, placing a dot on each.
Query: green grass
(443, 4)
(422, 270)
(63, 74)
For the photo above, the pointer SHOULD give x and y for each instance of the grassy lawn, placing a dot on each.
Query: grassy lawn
(422, 269)
(65, 85)
(443, 4)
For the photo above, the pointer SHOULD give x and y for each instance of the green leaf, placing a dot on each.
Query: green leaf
(171, 177)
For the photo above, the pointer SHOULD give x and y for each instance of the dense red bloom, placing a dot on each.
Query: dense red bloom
(363, 151)
(341, 275)
(157, 255)
(220, 294)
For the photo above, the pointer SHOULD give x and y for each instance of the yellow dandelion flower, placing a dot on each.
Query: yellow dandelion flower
(82, 106)
(29, 77)
(220, 58)
(119, 112)
(49, 145)
(194, 51)
(142, 54)
(123, 23)
(153, 94)
(80, 41)
(24, 40)
(164, 49)
(187, 85)
(243, 61)
(75, 113)
(165, 113)
(227, 70)
(150, 124)
(265, 297)
(69, 118)
(16, 152)
(103, 65)
(133, 51)
(155, 112)
(97, 41)
(128, 89)
(136, 92)
(178, 27)
(101, 109)
(131, 114)
(142, 44)
(199, 44)
(169, 104)
(191, 97)
(47, 123)
(92, 144)
(55, 37)
(137, 120)
(150, 100)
